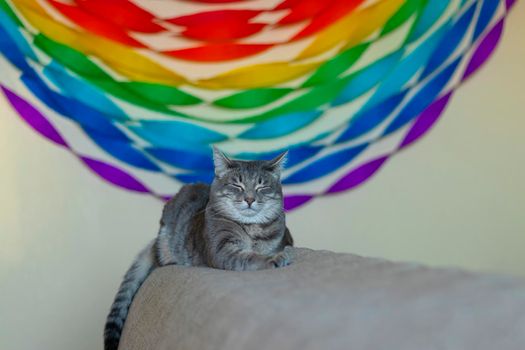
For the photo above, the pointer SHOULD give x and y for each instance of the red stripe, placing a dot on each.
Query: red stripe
(331, 14)
(111, 19)
(303, 9)
(217, 52)
(122, 13)
(286, 4)
(95, 25)
(223, 17)
(217, 1)
(222, 33)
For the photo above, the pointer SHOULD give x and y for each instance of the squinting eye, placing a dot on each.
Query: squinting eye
(236, 187)
(263, 188)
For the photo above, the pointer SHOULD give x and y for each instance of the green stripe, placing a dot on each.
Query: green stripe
(409, 8)
(253, 98)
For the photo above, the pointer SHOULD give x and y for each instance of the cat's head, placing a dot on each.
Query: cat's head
(248, 192)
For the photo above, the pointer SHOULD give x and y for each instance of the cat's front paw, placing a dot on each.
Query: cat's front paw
(280, 260)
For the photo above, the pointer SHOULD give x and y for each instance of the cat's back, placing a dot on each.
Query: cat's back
(188, 201)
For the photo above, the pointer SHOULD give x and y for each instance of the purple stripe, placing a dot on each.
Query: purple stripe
(357, 176)
(33, 117)
(426, 120)
(114, 175)
(294, 201)
(509, 4)
(484, 49)
(39, 123)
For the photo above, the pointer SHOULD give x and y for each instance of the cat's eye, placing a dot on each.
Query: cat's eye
(236, 187)
(263, 189)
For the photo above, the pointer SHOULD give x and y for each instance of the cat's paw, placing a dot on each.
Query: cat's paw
(280, 260)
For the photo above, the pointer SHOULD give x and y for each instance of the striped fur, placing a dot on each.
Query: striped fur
(237, 223)
(144, 263)
(164, 250)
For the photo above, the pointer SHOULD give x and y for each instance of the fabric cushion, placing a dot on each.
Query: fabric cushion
(326, 300)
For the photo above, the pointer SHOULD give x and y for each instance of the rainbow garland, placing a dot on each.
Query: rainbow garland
(138, 90)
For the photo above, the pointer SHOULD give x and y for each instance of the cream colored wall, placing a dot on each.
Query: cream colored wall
(456, 198)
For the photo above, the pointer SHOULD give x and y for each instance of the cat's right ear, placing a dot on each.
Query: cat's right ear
(221, 162)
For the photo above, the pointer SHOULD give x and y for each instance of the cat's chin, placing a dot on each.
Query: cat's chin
(249, 216)
(249, 212)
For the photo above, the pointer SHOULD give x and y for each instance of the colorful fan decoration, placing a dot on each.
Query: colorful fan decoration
(139, 90)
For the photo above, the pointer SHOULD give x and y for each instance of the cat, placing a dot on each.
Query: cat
(236, 223)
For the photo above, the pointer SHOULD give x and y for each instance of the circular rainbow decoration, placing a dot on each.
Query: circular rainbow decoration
(139, 90)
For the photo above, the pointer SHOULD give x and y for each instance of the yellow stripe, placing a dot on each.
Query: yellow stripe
(353, 28)
(260, 75)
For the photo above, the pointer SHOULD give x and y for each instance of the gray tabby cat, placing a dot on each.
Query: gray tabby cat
(237, 223)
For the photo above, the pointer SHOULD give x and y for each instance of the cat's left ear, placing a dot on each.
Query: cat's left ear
(222, 163)
(276, 165)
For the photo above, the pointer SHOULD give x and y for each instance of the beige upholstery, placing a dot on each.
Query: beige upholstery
(327, 301)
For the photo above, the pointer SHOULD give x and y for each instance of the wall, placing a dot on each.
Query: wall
(457, 198)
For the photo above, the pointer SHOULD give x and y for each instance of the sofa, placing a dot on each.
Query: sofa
(327, 300)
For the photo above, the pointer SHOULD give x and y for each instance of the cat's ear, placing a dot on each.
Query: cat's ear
(221, 162)
(275, 166)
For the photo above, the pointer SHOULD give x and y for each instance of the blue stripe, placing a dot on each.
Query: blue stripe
(423, 98)
(176, 134)
(367, 78)
(71, 109)
(450, 42)
(394, 82)
(367, 120)
(124, 151)
(281, 125)
(324, 165)
(487, 12)
(206, 177)
(430, 14)
(12, 30)
(82, 91)
(182, 159)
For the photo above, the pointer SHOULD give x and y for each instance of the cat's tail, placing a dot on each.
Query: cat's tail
(144, 263)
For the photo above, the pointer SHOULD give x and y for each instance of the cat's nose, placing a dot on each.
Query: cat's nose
(249, 200)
